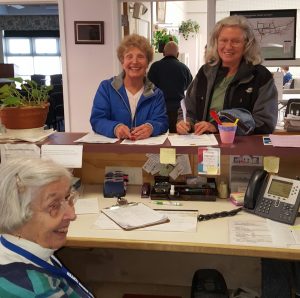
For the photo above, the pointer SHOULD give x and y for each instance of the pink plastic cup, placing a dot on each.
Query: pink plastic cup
(227, 132)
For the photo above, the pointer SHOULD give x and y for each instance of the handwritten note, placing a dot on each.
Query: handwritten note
(168, 156)
(271, 164)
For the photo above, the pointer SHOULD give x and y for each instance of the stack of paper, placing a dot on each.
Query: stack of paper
(27, 135)
(134, 215)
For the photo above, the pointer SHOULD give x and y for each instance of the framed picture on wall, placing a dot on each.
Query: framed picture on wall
(275, 30)
(89, 32)
(160, 12)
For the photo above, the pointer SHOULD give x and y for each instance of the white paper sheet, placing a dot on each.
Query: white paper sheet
(183, 108)
(134, 215)
(250, 232)
(31, 136)
(9, 151)
(87, 206)
(158, 140)
(285, 141)
(281, 233)
(193, 140)
(70, 156)
(93, 137)
(180, 221)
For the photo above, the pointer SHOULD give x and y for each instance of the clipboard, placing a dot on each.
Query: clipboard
(134, 215)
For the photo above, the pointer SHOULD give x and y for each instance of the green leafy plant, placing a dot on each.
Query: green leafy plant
(29, 94)
(160, 38)
(188, 27)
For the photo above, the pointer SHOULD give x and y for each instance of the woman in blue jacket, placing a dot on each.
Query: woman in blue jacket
(129, 106)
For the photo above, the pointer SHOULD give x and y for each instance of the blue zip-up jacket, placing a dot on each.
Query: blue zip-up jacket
(111, 108)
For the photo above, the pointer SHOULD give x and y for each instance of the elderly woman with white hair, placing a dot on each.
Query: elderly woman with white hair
(36, 208)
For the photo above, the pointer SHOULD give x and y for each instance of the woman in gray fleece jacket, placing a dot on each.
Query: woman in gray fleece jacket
(232, 78)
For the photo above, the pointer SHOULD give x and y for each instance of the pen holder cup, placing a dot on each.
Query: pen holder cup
(227, 132)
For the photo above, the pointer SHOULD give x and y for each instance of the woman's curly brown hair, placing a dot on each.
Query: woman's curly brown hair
(135, 41)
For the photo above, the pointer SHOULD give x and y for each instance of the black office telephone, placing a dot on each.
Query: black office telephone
(273, 197)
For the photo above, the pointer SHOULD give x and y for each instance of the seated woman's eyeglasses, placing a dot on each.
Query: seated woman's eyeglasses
(59, 206)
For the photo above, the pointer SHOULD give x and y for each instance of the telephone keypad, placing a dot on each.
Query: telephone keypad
(265, 205)
(285, 212)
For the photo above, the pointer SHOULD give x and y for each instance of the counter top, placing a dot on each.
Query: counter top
(243, 145)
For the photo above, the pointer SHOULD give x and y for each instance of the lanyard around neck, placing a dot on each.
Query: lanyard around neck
(58, 271)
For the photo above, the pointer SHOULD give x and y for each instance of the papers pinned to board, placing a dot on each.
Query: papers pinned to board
(134, 215)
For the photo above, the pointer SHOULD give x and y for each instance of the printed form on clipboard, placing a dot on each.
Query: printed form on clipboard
(134, 215)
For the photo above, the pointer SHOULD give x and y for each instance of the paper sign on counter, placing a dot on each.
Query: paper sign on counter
(70, 156)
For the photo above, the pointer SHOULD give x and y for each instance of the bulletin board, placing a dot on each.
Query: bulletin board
(275, 30)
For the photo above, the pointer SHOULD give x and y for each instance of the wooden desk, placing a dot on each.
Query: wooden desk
(156, 258)
(212, 236)
(250, 145)
(97, 156)
(205, 241)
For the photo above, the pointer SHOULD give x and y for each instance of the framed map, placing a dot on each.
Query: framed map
(275, 30)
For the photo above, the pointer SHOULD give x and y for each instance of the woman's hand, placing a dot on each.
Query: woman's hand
(123, 132)
(203, 127)
(183, 127)
(143, 131)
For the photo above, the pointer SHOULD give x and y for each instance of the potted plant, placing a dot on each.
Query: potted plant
(188, 27)
(160, 38)
(26, 107)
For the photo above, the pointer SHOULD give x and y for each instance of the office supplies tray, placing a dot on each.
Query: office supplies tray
(184, 192)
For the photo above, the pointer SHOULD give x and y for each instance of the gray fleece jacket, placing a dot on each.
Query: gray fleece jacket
(252, 88)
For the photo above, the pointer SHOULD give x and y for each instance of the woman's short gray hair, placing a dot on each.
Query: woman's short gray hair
(252, 53)
(20, 181)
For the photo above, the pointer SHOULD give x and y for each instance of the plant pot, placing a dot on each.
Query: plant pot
(161, 46)
(24, 117)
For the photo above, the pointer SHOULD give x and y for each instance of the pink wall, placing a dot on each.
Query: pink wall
(87, 65)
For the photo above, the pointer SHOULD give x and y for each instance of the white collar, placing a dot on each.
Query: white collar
(34, 248)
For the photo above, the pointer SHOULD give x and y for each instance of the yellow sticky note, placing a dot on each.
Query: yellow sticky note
(271, 164)
(167, 156)
(212, 170)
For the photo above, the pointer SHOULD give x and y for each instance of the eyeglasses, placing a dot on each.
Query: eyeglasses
(235, 43)
(202, 217)
(58, 207)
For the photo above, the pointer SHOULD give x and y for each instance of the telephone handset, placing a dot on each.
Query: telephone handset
(273, 197)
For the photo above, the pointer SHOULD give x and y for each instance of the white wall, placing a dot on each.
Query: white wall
(87, 65)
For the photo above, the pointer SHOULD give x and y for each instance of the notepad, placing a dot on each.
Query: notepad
(134, 216)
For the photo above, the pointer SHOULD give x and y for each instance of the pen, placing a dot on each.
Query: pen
(167, 203)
